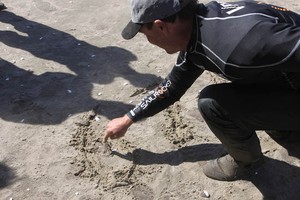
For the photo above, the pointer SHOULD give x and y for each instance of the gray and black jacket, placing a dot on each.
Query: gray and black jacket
(245, 42)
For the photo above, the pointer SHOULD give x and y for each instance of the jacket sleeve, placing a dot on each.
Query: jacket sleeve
(170, 90)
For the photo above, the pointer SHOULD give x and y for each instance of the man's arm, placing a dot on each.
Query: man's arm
(182, 76)
(171, 89)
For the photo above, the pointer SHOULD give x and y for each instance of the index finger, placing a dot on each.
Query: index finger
(106, 136)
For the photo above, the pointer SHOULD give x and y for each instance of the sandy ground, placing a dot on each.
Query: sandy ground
(65, 72)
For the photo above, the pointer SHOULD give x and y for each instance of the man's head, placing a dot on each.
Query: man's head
(166, 23)
(147, 11)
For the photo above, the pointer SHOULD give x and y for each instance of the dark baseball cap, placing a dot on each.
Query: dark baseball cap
(145, 11)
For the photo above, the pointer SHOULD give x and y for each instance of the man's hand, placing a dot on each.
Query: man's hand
(117, 128)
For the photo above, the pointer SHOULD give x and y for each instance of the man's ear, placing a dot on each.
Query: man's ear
(160, 25)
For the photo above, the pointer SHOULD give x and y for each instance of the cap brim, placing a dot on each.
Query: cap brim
(130, 30)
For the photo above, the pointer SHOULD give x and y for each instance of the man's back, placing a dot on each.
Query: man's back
(244, 38)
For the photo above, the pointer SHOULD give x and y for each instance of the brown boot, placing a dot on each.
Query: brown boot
(227, 169)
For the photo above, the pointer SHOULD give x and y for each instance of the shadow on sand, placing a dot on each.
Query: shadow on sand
(185, 154)
(51, 97)
(276, 180)
(279, 179)
(7, 175)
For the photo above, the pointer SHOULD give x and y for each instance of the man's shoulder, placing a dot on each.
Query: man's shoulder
(233, 9)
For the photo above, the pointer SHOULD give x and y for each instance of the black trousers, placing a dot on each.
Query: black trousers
(235, 112)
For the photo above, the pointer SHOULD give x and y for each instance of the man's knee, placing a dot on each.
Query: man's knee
(209, 102)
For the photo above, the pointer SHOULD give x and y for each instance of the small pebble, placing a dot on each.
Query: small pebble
(205, 194)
